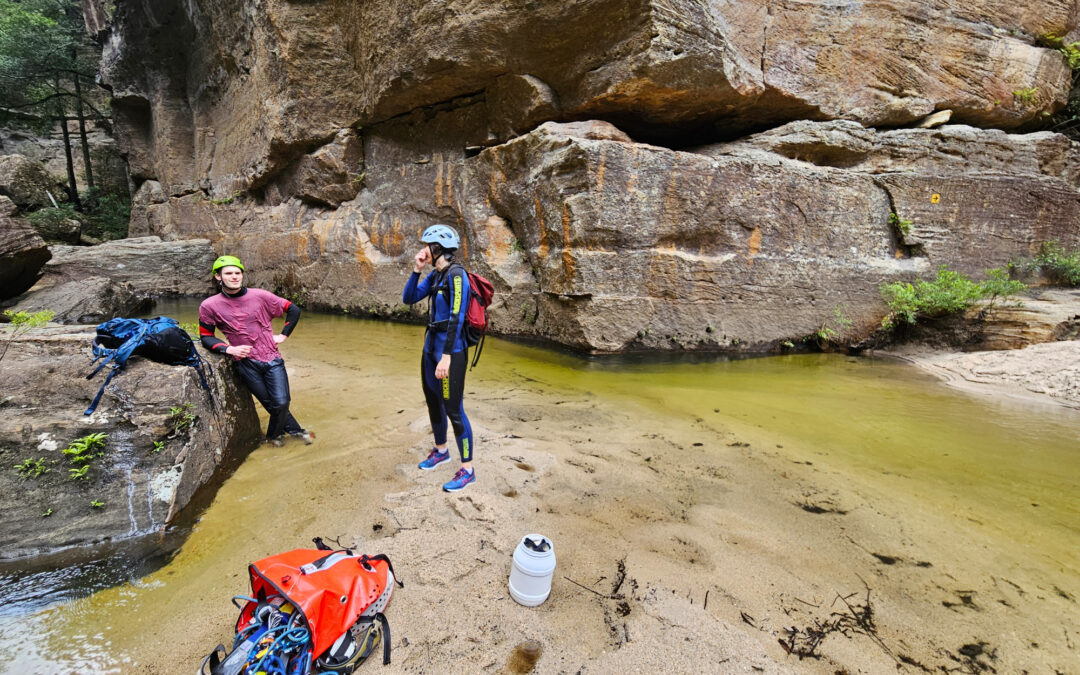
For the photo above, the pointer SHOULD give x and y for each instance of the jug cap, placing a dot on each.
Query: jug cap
(536, 542)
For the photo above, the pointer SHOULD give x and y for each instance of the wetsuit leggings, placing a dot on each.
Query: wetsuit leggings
(444, 400)
(269, 383)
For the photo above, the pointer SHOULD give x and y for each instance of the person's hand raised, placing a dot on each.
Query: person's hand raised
(422, 258)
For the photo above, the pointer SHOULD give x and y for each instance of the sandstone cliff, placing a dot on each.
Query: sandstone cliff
(317, 139)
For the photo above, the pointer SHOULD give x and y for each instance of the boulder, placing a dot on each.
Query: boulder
(330, 175)
(86, 301)
(26, 182)
(165, 439)
(55, 227)
(603, 244)
(149, 192)
(23, 252)
(151, 266)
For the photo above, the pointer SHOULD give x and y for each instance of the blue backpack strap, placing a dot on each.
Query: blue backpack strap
(97, 399)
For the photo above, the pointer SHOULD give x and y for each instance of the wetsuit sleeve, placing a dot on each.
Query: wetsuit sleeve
(211, 341)
(416, 290)
(457, 308)
(292, 315)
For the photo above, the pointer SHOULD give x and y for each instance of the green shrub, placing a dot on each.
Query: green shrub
(1056, 263)
(106, 215)
(52, 219)
(950, 292)
(22, 322)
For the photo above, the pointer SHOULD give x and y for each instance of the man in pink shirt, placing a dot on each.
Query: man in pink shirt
(245, 317)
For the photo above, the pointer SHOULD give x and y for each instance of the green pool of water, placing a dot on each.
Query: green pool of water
(1013, 467)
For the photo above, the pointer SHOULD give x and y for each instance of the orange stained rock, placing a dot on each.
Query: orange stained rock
(367, 269)
(567, 255)
(397, 239)
(755, 244)
(600, 169)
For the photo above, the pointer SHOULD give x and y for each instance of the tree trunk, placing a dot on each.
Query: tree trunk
(82, 132)
(61, 114)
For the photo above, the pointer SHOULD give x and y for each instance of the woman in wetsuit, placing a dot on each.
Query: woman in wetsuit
(443, 363)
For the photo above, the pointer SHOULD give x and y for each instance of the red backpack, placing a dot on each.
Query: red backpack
(476, 319)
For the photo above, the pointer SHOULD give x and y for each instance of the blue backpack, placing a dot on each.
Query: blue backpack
(160, 339)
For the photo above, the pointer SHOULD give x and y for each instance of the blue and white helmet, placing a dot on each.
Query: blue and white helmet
(443, 235)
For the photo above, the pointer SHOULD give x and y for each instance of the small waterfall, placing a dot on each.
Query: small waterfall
(150, 507)
(131, 503)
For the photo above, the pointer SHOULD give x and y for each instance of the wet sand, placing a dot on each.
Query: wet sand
(695, 547)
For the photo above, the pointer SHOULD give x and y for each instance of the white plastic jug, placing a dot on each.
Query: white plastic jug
(531, 571)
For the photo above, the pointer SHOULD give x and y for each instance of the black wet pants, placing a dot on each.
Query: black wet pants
(269, 383)
(444, 399)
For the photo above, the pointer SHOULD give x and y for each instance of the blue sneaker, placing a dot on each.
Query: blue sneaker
(460, 480)
(434, 459)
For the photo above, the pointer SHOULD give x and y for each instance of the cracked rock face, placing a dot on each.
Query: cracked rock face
(318, 139)
(603, 244)
(227, 95)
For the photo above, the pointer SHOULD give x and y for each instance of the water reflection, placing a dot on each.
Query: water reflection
(882, 424)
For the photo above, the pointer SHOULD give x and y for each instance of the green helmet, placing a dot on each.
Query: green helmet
(228, 261)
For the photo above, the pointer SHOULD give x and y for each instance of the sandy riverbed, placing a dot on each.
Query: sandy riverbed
(694, 547)
(1048, 372)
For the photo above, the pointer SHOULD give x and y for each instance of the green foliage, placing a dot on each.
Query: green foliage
(1026, 97)
(192, 329)
(903, 227)
(52, 219)
(47, 513)
(830, 329)
(1070, 51)
(21, 322)
(950, 292)
(96, 504)
(26, 320)
(83, 450)
(180, 418)
(158, 447)
(32, 468)
(1066, 120)
(106, 214)
(1055, 262)
(76, 474)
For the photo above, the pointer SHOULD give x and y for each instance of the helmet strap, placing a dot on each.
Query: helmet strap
(436, 250)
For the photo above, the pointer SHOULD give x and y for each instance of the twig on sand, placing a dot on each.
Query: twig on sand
(609, 597)
(858, 619)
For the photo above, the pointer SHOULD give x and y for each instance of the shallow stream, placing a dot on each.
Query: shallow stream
(1012, 469)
